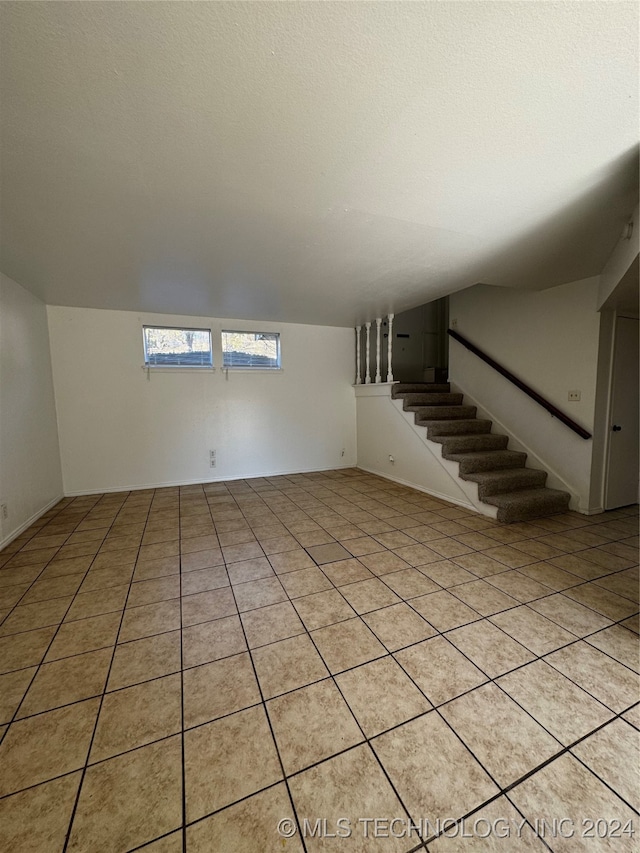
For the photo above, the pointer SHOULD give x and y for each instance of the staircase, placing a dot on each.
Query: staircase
(483, 457)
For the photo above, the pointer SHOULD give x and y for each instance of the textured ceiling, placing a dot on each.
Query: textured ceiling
(312, 162)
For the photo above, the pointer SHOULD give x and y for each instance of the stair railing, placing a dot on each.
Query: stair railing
(367, 355)
(540, 400)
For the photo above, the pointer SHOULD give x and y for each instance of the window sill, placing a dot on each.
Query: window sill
(178, 368)
(251, 369)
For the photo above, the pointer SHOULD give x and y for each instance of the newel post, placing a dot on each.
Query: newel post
(358, 377)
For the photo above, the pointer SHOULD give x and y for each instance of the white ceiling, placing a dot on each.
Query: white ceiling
(312, 162)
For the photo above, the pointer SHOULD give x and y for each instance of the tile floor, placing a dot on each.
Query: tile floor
(183, 668)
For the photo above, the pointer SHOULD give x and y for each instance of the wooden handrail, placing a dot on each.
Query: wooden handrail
(553, 410)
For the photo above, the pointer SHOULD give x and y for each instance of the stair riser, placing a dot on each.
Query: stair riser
(509, 516)
(441, 413)
(466, 426)
(471, 443)
(431, 400)
(471, 466)
(513, 484)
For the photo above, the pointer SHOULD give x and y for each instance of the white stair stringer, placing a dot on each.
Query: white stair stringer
(469, 488)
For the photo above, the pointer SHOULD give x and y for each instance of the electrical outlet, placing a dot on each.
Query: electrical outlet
(342, 454)
(391, 459)
(4, 509)
(574, 396)
(454, 323)
(212, 459)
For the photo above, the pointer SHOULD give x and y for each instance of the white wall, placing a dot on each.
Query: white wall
(623, 255)
(30, 477)
(549, 339)
(123, 428)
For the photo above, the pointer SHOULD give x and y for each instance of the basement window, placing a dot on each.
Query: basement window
(252, 350)
(166, 346)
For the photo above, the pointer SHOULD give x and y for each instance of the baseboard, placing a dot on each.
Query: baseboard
(15, 533)
(200, 481)
(426, 491)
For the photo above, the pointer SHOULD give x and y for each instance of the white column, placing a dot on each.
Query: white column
(358, 377)
(378, 324)
(367, 374)
(389, 349)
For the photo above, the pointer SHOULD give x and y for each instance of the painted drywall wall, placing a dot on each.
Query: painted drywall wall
(122, 427)
(550, 340)
(385, 431)
(625, 252)
(30, 476)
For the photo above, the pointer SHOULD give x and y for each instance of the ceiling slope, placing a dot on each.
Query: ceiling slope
(311, 162)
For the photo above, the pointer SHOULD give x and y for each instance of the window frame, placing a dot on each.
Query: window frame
(255, 367)
(147, 365)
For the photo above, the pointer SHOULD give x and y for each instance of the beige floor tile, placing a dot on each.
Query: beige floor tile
(27, 649)
(439, 669)
(329, 553)
(479, 564)
(278, 545)
(346, 571)
(11, 595)
(97, 579)
(496, 828)
(85, 635)
(291, 561)
(272, 623)
(569, 614)
(98, 601)
(227, 760)
(150, 619)
(287, 665)
(384, 562)
(551, 576)
(33, 616)
(238, 553)
(500, 734)
(13, 686)
(449, 547)
(410, 583)
(489, 648)
(566, 790)
(347, 644)
(210, 641)
(444, 611)
(202, 580)
(171, 843)
(619, 643)
(533, 630)
(421, 555)
(53, 588)
(311, 724)
(633, 716)
(446, 573)
(622, 583)
(476, 541)
(607, 561)
(432, 770)
(138, 715)
(201, 560)
(159, 550)
(350, 786)
(305, 582)
(39, 748)
(37, 819)
(603, 601)
(394, 539)
(519, 586)
(323, 608)
(610, 682)
(154, 590)
(398, 626)
(141, 660)
(483, 597)
(381, 695)
(248, 825)
(632, 623)
(65, 681)
(363, 545)
(250, 570)
(368, 595)
(205, 606)
(146, 569)
(140, 796)
(577, 565)
(218, 688)
(258, 593)
(198, 543)
(613, 753)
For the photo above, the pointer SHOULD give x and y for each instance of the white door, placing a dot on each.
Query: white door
(622, 468)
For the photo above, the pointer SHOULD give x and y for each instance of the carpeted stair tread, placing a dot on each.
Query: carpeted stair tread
(440, 399)
(454, 444)
(438, 413)
(488, 460)
(506, 480)
(401, 388)
(529, 503)
(462, 426)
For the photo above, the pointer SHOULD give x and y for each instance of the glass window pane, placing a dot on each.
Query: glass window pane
(177, 347)
(251, 349)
